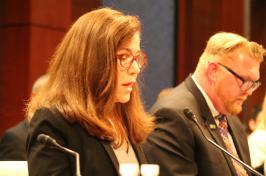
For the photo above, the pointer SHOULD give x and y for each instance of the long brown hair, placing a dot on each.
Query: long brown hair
(82, 79)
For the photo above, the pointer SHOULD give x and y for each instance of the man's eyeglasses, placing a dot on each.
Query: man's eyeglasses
(127, 58)
(246, 84)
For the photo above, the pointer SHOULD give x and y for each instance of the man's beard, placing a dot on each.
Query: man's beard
(231, 105)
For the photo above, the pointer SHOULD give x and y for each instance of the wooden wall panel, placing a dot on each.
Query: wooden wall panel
(80, 7)
(14, 12)
(43, 42)
(49, 21)
(13, 77)
(29, 32)
(258, 34)
(52, 14)
(197, 21)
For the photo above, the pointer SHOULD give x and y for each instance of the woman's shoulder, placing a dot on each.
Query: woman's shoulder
(50, 120)
(52, 123)
(48, 115)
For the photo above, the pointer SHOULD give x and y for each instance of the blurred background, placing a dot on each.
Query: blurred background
(174, 35)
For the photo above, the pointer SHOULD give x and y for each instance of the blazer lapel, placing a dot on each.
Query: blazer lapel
(205, 116)
(242, 151)
(206, 119)
(139, 154)
(218, 139)
(237, 141)
(110, 152)
(137, 149)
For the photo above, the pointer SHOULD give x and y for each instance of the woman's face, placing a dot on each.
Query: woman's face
(129, 63)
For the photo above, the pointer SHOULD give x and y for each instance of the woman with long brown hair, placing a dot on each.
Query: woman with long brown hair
(91, 103)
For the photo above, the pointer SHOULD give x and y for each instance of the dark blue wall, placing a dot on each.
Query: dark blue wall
(158, 41)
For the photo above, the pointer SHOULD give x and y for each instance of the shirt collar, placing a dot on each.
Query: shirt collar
(208, 100)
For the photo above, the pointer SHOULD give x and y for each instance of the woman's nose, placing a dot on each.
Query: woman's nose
(134, 68)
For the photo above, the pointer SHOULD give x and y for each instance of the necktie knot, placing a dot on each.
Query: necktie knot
(223, 126)
(222, 122)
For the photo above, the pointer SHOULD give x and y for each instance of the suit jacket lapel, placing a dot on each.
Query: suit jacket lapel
(218, 139)
(237, 141)
(110, 152)
(139, 154)
(137, 149)
(207, 120)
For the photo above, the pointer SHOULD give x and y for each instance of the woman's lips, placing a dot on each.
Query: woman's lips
(129, 84)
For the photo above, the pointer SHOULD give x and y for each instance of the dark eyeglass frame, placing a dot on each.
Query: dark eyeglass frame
(140, 58)
(246, 84)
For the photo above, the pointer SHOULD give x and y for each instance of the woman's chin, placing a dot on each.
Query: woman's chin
(123, 99)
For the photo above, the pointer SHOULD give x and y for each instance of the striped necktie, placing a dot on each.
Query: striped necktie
(227, 138)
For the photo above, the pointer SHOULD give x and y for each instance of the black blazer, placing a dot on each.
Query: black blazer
(13, 143)
(96, 156)
(178, 145)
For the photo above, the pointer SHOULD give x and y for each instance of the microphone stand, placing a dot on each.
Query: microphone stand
(51, 142)
(75, 154)
(189, 114)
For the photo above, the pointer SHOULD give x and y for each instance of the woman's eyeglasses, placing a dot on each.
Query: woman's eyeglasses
(127, 58)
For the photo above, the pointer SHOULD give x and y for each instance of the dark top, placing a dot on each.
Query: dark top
(96, 156)
(13, 143)
(179, 147)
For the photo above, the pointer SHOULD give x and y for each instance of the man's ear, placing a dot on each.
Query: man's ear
(211, 72)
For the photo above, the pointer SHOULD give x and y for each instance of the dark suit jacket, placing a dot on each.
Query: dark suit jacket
(178, 145)
(13, 143)
(96, 156)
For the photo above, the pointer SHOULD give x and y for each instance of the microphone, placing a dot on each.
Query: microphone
(51, 142)
(191, 116)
